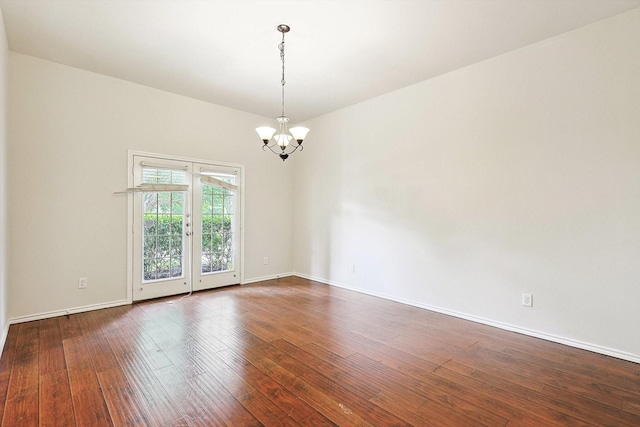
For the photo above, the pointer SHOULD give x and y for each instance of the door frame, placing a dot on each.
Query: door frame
(130, 208)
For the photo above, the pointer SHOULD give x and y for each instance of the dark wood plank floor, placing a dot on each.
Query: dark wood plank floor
(295, 352)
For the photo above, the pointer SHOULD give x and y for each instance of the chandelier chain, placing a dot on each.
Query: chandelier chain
(282, 81)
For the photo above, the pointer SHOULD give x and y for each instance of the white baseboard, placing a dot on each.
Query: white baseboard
(549, 337)
(64, 312)
(545, 336)
(263, 278)
(3, 338)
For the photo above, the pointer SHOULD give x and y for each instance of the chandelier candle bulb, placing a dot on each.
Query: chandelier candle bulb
(281, 139)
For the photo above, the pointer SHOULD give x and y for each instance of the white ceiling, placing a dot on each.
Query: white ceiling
(338, 52)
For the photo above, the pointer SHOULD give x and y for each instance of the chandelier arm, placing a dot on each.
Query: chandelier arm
(291, 152)
(279, 151)
(270, 147)
(294, 149)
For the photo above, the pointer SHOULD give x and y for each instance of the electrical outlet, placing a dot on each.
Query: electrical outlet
(82, 283)
(353, 268)
(527, 300)
(265, 261)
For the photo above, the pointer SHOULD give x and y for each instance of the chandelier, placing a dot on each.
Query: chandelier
(280, 141)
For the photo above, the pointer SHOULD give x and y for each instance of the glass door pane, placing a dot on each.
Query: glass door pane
(161, 232)
(163, 226)
(215, 212)
(217, 231)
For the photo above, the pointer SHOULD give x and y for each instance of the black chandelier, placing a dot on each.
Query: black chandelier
(281, 139)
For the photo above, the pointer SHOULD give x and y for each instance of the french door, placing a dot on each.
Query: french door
(186, 226)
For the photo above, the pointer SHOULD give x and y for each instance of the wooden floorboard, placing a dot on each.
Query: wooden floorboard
(291, 352)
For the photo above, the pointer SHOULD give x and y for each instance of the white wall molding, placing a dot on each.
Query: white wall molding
(3, 338)
(270, 277)
(537, 334)
(512, 328)
(92, 307)
(64, 312)
(4, 198)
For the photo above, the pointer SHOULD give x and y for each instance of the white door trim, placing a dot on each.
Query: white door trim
(130, 207)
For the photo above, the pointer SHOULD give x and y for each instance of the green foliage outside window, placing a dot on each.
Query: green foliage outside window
(163, 245)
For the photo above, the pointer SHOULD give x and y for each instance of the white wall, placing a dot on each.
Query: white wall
(68, 139)
(520, 174)
(4, 52)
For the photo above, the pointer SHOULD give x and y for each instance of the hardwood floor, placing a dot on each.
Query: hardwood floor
(295, 352)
